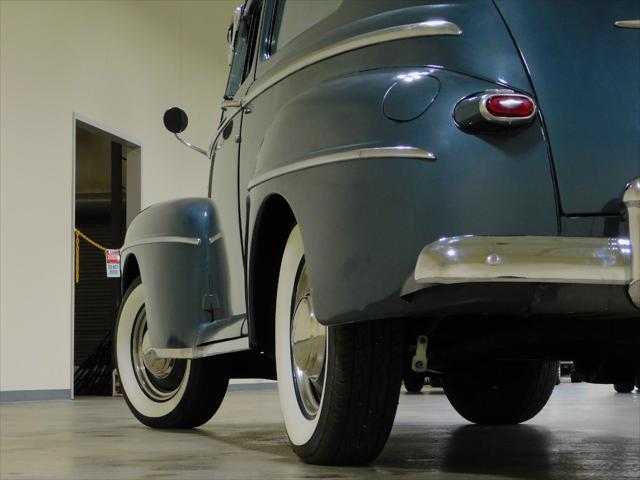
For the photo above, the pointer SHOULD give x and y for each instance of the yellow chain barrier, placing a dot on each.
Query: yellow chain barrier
(80, 235)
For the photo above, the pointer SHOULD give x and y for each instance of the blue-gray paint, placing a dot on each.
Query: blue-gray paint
(356, 217)
(484, 49)
(185, 286)
(586, 74)
(365, 221)
(410, 96)
(7, 396)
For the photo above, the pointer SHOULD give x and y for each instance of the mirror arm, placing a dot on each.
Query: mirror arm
(192, 147)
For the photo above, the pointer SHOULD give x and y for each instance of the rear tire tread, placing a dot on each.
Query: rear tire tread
(518, 402)
(367, 373)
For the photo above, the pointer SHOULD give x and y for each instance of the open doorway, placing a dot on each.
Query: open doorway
(106, 198)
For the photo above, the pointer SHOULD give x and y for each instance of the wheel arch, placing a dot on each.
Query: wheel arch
(130, 271)
(273, 223)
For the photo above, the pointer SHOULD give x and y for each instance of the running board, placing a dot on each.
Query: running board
(226, 335)
(223, 346)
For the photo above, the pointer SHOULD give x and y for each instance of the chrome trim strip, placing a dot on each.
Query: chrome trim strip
(427, 28)
(399, 151)
(215, 238)
(226, 346)
(631, 200)
(525, 259)
(161, 239)
(627, 23)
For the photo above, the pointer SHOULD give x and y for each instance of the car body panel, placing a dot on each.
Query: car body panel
(181, 254)
(469, 53)
(224, 194)
(364, 222)
(586, 74)
(362, 147)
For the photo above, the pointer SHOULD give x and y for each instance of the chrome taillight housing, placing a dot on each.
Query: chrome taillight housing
(494, 111)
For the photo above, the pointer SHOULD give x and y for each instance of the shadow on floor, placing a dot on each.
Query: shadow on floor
(520, 451)
(524, 452)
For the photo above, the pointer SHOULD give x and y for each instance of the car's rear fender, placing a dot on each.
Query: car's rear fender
(365, 218)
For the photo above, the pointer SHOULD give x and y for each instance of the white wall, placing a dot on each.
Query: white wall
(121, 64)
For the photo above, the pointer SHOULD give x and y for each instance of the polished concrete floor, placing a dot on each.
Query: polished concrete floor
(585, 432)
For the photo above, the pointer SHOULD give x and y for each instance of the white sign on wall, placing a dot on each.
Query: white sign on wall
(113, 263)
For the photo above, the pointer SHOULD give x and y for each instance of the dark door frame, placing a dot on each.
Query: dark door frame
(121, 139)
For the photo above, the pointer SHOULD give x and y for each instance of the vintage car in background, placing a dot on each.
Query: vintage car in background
(398, 189)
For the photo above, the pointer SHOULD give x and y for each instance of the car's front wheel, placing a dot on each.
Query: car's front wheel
(501, 392)
(338, 386)
(162, 392)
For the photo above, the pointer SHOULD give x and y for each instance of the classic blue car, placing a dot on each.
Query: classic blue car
(398, 189)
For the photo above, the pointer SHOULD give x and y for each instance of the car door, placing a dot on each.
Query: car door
(224, 174)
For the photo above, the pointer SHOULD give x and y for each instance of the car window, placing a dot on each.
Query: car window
(293, 17)
(243, 52)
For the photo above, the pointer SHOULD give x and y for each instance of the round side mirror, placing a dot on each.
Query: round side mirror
(175, 120)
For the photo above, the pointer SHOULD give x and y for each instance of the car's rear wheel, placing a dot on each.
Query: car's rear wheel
(435, 381)
(576, 377)
(624, 387)
(501, 392)
(414, 382)
(162, 392)
(338, 386)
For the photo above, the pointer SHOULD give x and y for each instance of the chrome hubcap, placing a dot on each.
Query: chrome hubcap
(308, 348)
(150, 369)
(158, 367)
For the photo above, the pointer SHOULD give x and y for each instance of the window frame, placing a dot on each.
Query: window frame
(268, 26)
(275, 10)
(252, 20)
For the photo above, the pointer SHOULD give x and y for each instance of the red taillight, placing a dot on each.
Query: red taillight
(512, 106)
(494, 111)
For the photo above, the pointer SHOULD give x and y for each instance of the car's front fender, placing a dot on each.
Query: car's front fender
(179, 249)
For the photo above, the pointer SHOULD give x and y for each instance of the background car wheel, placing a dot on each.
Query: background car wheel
(501, 392)
(414, 382)
(435, 381)
(624, 387)
(162, 393)
(338, 386)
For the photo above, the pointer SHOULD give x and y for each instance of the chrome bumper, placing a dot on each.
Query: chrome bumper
(539, 259)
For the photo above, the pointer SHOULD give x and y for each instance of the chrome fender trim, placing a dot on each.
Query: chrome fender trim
(399, 151)
(428, 28)
(627, 23)
(161, 239)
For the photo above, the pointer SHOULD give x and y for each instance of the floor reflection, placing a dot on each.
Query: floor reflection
(515, 451)
(587, 432)
(521, 451)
